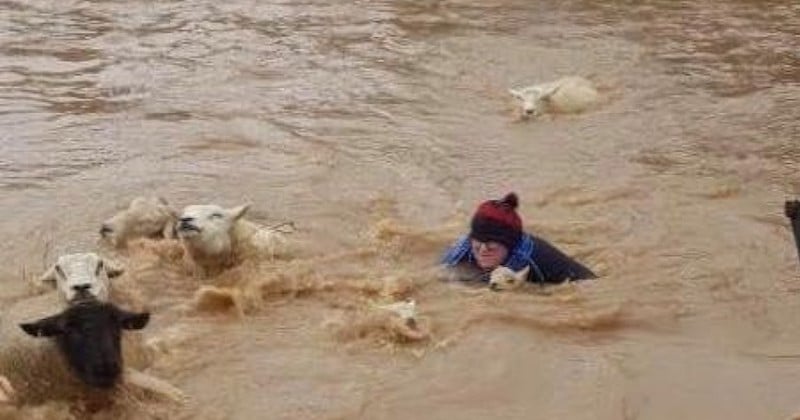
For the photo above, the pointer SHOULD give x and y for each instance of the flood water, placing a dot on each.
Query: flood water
(377, 127)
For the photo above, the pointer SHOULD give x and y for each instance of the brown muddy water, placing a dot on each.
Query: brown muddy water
(377, 126)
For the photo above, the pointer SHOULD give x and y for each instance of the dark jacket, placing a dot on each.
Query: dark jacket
(554, 266)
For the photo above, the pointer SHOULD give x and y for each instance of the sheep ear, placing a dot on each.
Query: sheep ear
(113, 269)
(132, 320)
(237, 212)
(49, 277)
(515, 93)
(45, 327)
(521, 275)
(791, 209)
(546, 95)
(171, 210)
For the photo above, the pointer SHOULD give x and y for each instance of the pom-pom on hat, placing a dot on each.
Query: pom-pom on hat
(498, 221)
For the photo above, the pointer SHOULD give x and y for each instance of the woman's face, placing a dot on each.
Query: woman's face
(489, 255)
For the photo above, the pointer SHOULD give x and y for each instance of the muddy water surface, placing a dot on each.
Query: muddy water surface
(377, 126)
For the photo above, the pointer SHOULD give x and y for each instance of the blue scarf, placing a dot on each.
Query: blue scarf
(519, 257)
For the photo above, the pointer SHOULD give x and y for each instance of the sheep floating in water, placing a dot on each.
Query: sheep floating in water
(567, 95)
(80, 344)
(78, 349)
(216, 238)
(88, 271)
(145, 217)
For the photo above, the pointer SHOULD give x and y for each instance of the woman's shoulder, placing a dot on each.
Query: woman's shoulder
(457, 252)
(542, 245)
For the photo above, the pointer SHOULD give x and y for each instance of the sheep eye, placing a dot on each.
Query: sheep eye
(216, 216)
(60, 271)
(99, 268)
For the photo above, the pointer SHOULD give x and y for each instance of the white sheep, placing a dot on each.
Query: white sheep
(216, 238)
(84, 271)
(145, 217)
(567, 95)
(504, 278)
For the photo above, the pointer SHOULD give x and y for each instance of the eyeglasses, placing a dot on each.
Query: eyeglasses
(489, 246)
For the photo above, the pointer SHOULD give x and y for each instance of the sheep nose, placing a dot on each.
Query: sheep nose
(105, 230)
(186, 220)
(81, 292)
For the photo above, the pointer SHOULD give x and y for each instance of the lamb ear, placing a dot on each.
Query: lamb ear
(171, 210)
(550, 92)
(237, 212)
(49, 277)
(522, 275)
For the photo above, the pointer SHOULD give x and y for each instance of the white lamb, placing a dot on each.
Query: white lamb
(567, 95)
(145, 217)
(504, 278)
(216, 238)
(76, 272)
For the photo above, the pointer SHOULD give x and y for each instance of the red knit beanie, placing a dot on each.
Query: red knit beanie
(498, 221)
